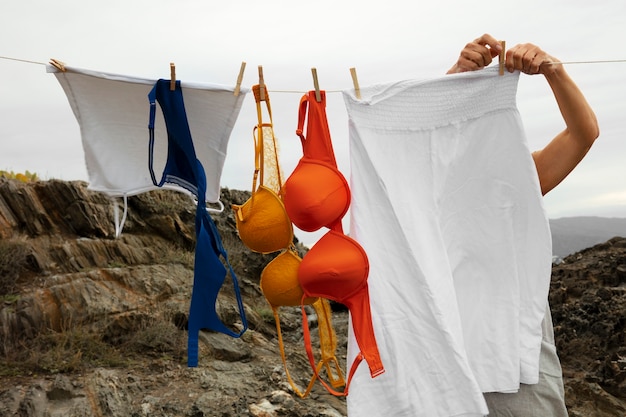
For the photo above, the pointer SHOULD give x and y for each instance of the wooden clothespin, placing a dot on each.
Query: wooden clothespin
(318, 96)
(60, 65)
(355, 81)
(261, 84)
(502, 56)
(172, 76)
(239, 79)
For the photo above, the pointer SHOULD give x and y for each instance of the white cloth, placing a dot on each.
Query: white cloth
(447, 204)
(112, 111)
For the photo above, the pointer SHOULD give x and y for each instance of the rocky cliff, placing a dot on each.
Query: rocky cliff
(93, 325)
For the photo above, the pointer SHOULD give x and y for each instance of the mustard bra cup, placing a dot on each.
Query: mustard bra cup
(263, 223)
(279, 281)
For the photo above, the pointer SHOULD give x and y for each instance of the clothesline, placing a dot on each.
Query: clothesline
(604, 61)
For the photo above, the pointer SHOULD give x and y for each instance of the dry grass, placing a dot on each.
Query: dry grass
(78, 348)
(13, 260)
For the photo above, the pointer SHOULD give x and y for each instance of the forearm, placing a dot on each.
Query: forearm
(559, 157)
(580, 120)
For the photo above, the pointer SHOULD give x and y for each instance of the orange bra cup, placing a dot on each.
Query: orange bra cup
(335, 268)
(315, 195)
(263, 223)
(279, 281)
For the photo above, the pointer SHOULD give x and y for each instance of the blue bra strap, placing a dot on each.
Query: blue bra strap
(184, 169)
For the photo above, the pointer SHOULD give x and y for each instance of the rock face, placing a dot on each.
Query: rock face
(93, 325)
(588, 299)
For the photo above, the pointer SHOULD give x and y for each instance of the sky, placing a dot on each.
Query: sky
(387, 41)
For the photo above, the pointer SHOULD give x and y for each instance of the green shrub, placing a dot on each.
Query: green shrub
(27, 176)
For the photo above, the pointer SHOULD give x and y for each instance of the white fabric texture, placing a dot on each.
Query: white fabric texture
(112, 111)
(446, 202)
(547, 397)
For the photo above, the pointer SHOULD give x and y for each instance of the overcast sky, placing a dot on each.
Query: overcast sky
(385, 41)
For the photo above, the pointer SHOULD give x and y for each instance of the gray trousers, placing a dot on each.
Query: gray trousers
(544, 399)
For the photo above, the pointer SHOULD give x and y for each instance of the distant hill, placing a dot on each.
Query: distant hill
(571, 234)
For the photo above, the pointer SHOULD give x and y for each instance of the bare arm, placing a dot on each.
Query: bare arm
(561, 155)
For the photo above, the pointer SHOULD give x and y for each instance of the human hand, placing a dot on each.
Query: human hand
(530, 59)
(477, 54)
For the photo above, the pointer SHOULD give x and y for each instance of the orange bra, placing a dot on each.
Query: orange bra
(317, 195)
(264, 226)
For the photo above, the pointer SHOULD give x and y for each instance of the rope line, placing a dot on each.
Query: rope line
(605, 61)
(608, 61)
(22, 60)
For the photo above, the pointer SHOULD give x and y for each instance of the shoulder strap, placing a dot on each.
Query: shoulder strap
(301, 118)
(263, 135)
(281, 347)
(152, 100)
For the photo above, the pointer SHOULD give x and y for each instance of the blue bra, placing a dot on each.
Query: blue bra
(184, 169)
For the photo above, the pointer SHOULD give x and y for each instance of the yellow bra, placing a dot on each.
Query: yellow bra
(262, 221)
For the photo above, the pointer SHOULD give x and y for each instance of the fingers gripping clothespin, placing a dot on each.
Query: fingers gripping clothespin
(502, 56)
(316, 84)
(239, 79)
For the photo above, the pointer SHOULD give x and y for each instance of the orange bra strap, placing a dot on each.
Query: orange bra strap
(309, 351)
(364, 330)
(301, 118)
(337, 226)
